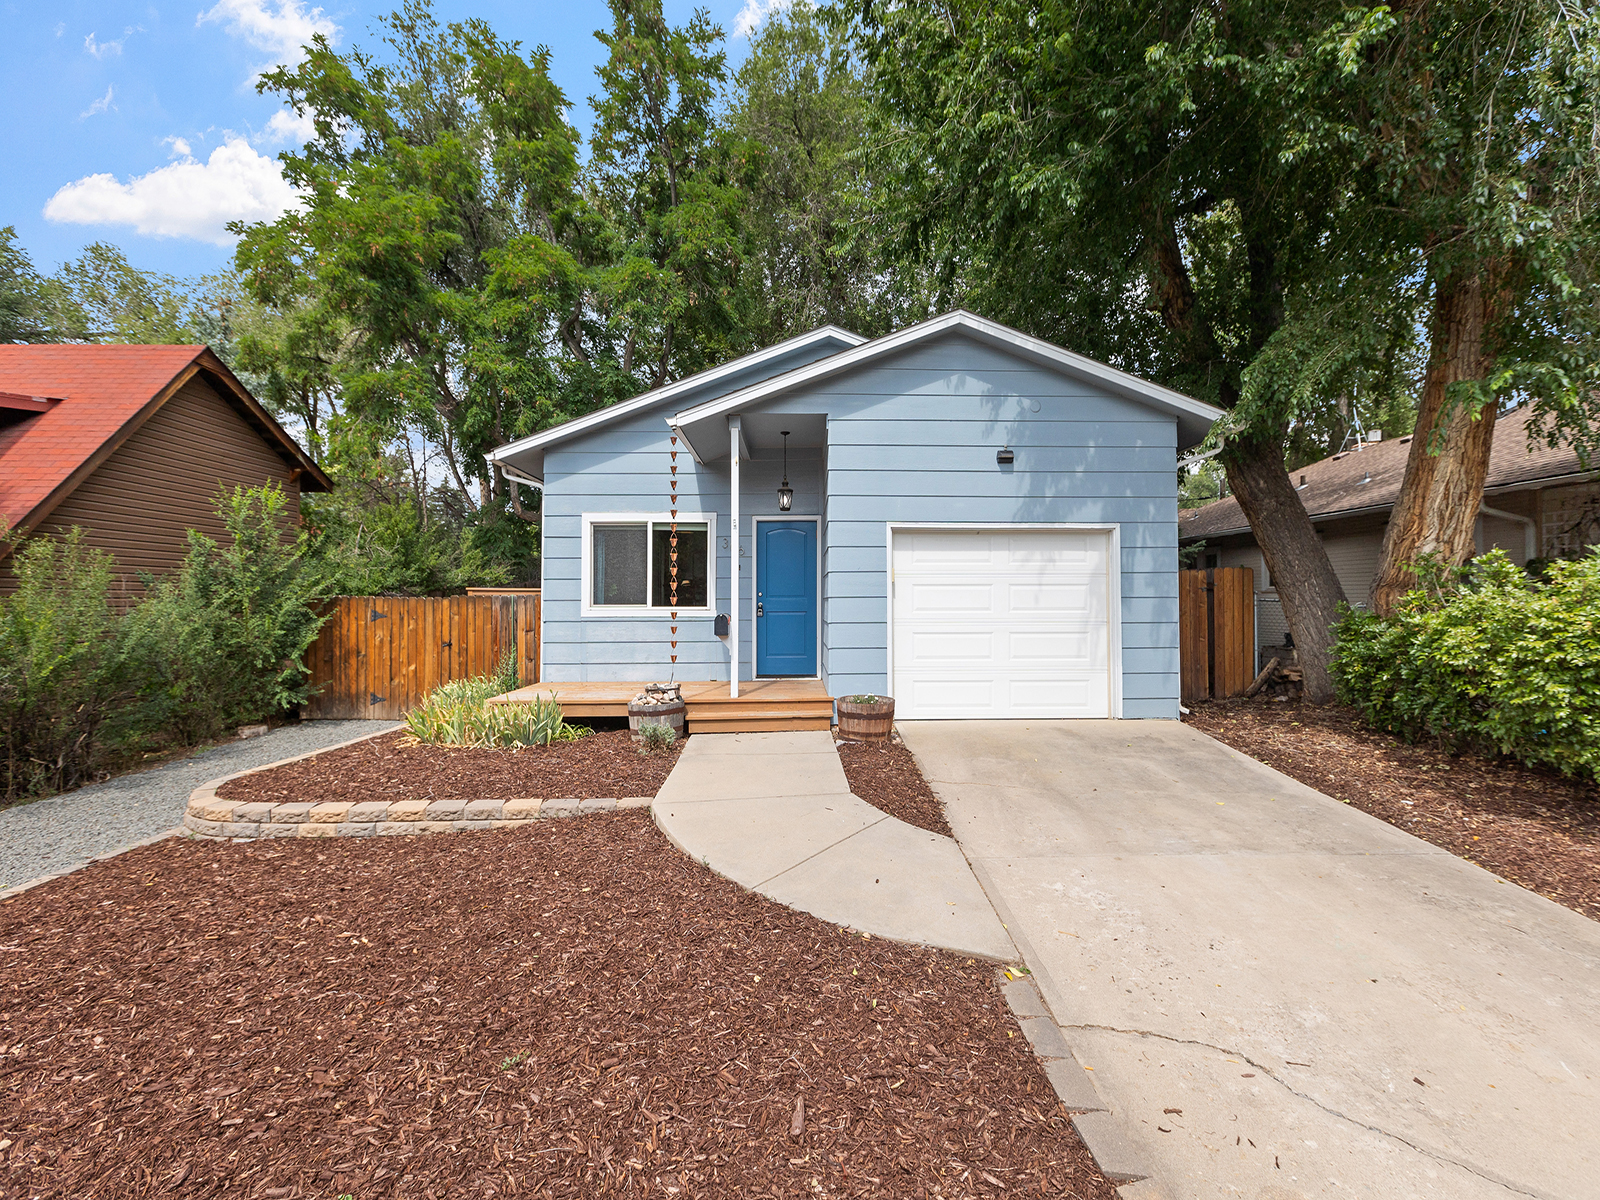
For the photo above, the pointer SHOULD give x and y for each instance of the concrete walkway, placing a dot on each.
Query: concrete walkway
(773, 812)
(1278, 995)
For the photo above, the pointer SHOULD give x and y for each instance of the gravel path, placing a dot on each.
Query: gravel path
(50, 836)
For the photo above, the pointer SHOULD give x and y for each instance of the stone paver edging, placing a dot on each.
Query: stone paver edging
(210, 816)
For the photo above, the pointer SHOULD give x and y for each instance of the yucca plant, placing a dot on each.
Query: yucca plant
(457, 714)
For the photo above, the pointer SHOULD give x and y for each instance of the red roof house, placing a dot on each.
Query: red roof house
(132, 444)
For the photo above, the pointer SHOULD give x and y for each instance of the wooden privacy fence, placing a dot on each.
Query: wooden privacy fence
(1216, 632)
(378, 656)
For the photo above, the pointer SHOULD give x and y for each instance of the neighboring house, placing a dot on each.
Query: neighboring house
(133, 444)
(1538, 502)
(982, 524)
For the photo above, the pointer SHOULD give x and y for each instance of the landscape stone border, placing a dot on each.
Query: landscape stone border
(209, 816)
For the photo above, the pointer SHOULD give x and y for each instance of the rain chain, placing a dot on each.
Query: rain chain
(672, 577)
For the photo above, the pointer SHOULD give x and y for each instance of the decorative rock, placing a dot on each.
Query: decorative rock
(206, 828)
(250, 731)
(293, 813)
(328, 813)
(482, 810)
(218, 810)
(560, 808)
(252, 812)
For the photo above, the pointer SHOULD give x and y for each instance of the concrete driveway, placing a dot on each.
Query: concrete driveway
(1277, 995)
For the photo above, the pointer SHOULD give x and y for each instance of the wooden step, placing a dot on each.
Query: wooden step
(763, 724)
(739, 712)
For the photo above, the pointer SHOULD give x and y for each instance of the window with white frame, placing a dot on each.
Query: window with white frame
(628, 563)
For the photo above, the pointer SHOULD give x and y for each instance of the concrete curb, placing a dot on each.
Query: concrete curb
(208, 816)
(17, 888)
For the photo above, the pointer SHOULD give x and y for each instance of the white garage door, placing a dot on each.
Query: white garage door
(1001, 623)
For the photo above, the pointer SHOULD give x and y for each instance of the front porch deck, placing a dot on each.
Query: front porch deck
(762, 706)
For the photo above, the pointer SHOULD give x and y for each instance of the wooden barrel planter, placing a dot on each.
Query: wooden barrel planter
(656, 707)
(866, 718)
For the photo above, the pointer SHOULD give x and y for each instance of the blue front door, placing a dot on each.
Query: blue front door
(786, 597)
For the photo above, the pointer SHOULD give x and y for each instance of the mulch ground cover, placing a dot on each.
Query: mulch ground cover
(1533, 828)
(604, 763)
(886, 776)
(573, 1009)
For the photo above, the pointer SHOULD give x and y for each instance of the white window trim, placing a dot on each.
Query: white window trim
(634, 611)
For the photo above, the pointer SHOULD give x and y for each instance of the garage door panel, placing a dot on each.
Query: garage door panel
(930, 647)
(1001, 624)
(952, 598)
(1061, 649)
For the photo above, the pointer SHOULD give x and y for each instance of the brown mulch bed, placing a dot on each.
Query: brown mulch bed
(1533, 828)
(604, 763)
(886, 776)
(575, 1009)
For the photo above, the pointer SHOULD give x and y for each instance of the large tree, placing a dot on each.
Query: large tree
(1480, 122)
(1137, 181)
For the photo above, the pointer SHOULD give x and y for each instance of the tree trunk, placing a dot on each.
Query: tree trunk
(1439, 498)
(1298, 564)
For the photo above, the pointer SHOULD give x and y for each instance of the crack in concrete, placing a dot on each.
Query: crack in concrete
(824, 850)
(1436, 1155)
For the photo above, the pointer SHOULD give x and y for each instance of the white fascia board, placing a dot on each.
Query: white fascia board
(1113, 380)
(655, 396)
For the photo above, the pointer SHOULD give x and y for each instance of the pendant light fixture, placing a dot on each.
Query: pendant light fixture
(785, 492)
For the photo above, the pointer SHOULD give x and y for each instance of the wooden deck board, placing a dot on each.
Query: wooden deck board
(764, 705)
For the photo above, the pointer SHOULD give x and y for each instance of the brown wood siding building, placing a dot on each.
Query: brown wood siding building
(205, 436)
(139, 505)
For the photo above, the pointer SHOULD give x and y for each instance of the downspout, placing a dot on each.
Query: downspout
(1530, 529)
(733, 554)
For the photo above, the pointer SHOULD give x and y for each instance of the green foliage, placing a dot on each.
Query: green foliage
(224, 640)
(457, 714)
(60, 666)
(1486, 658)
(21, 310)
(656, 738)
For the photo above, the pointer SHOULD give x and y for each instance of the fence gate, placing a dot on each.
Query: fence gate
(1216, 632)
(378, 656)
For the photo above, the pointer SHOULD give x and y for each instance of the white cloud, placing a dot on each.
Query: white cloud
(754, 12)
(179, 147)
(280, 27)
(186, 199)
(99, 106)
(286, 127)
(105, 50)
(61, 27)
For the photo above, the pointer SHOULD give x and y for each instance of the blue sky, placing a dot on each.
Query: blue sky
(139, 124)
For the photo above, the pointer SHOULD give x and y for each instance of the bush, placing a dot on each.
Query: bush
(654, 738)
(458, 714)
(60, 666)
(1487, 658)
(224, 641)
(221, 643)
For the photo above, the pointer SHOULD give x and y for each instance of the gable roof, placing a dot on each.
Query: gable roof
(88, 400)
(1194, 418)
(1368, 480)
(525, 456)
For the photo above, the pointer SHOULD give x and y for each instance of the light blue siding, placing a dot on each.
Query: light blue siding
(909, 439)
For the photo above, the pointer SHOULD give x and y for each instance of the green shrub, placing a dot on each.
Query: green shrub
(656, 737)
(458, 714)
(1487, 659)
(224, 641)
(61, 668)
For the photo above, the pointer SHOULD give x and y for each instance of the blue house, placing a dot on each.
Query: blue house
(974, 521)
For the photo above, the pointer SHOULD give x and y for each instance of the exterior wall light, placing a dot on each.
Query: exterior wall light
(785, 492)
(1005, 457)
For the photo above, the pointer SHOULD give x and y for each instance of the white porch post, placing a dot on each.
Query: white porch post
(733, 554)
